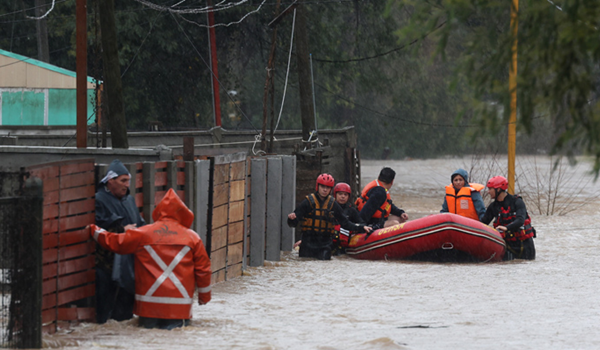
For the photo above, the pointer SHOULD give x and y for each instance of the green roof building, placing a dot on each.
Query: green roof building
(35, 93)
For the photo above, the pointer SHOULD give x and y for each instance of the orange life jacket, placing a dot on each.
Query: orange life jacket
(320, 219)
(461, 203)
(170, 261)
(386, 207)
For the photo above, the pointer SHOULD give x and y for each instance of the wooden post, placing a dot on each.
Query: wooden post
(149, 189)
(258, 212)
(188, 148)
(273, 238)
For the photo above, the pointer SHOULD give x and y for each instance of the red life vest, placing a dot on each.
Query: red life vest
(507, 216)
(461, 203)
(386, 207)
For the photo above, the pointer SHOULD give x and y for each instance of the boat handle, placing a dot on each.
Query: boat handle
(447, 245)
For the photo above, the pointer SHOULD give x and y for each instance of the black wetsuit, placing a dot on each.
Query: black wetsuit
(377, 196)
(318, 244)
(519, 249)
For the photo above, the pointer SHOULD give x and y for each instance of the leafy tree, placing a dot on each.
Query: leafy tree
(558, 57)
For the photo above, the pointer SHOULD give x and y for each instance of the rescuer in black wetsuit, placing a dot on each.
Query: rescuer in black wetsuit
(511, 220)
(317, 214)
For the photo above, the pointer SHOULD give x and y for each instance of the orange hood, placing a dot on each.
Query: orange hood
(172, 207)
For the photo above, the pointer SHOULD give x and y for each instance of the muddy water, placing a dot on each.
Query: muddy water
(549, 303)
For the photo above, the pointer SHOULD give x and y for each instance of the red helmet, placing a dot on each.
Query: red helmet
(325, 180)
(498, 182)
(342, 187)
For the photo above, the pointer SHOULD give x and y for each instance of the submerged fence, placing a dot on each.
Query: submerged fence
(20, 265)
(48, 279)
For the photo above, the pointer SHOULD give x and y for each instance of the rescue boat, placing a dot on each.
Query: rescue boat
(440, 238)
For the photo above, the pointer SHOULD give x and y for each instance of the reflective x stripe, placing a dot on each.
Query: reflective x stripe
(163, 300)
(97, 233)
(344, 232)
(204, 290)
(167, 272)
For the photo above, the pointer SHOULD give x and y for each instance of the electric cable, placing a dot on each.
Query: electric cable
(287, 72)
(384, 53)
(211, 72)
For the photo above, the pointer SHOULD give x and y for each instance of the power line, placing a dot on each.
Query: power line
(171, 9)
(384, 53)
(211, 71)
(44, 15)
(395, 117)
(142, 44)
(31, 58)
(222, 24)
(33, 8)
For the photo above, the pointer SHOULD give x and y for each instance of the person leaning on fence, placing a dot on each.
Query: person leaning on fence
(463, 198)
(511, 220)
(170, 262)
(316, 215)
(375, 203)
(342, 194)
(116, 211)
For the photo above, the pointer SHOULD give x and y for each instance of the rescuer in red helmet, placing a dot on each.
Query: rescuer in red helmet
(510, 219)
(342, 194)
(317, 214)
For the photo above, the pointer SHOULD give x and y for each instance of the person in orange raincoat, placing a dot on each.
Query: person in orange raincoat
(170, 261)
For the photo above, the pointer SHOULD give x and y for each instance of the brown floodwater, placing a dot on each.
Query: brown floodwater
(549, 303)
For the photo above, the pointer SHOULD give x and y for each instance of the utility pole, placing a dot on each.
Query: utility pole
(114, 109)
(81, 72)
(213, 63)
(269, 83)
(42, 32)
(304, 83)
(512, 87)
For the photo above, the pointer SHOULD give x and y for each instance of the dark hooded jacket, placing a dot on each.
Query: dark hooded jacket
(113, 214)
(171, 261)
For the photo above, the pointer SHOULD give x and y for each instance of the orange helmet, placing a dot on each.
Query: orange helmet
(325, 180)
(342, 187)
(498, 182)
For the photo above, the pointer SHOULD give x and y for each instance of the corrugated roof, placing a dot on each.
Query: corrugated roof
(17, 71)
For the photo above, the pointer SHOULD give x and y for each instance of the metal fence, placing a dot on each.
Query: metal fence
(20, 267)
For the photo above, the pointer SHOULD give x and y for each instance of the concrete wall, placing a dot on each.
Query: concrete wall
(211, 142)
(15, 157)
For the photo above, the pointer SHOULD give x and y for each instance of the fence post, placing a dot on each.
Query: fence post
(149, 190)
(188, 188)
(257, 212)
(288, 200)
(102, 169)
(201, 192)
(172, 175)
(31, 271)
(273, 248)
(132, 168)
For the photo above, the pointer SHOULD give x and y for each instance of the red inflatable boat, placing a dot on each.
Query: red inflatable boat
(441, 237)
